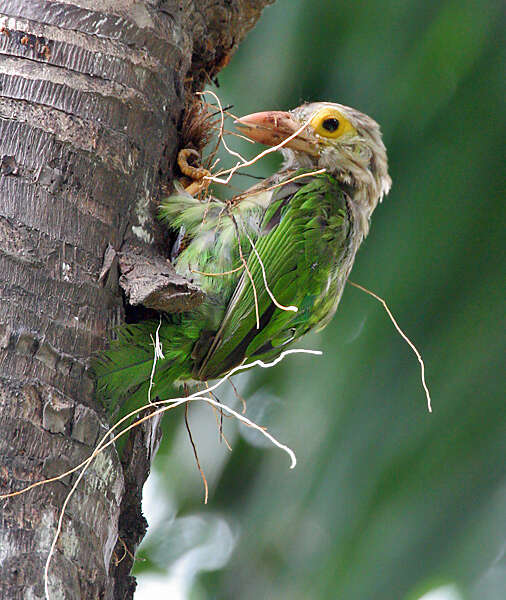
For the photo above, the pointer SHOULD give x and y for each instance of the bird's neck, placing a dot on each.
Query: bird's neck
(362, 187)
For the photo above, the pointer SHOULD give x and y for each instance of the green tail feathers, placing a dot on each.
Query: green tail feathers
(123, 372)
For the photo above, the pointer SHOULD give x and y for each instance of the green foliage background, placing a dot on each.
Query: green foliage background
(387, 501)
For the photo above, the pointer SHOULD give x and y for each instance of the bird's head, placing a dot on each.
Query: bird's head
(338, 138)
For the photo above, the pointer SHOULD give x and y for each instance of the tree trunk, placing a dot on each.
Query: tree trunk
(91, 101)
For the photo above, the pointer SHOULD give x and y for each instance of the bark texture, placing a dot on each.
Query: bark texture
(91, 101)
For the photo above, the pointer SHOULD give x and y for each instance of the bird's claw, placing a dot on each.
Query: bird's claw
(196, 175)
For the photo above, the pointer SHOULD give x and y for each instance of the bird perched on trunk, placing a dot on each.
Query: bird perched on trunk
(273, 262)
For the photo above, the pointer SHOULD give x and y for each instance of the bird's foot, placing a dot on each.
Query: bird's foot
(196, 175)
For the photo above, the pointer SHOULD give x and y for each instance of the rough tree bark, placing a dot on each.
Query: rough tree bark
(91, 99)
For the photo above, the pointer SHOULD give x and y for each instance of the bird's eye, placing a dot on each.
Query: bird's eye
(331, 123)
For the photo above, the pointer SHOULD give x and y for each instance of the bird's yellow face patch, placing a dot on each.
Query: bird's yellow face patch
(330, 123)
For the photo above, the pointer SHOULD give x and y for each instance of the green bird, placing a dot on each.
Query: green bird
(273, 261)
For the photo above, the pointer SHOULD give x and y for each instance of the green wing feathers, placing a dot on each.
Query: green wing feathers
(301, 244)
(300, 234)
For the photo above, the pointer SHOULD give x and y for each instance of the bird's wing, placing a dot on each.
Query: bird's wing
(301, 232)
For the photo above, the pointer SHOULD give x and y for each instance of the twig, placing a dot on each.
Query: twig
(230, 172)
(254, 191)
(404, 337)
(220, 135)
(245, 264)
(267, 289)
(219, 422)
(157, 354)
(206, 488)
(237, 395)
(217, 274)
(226, 110)
(126, 552)
(234, 133)
(300, 176)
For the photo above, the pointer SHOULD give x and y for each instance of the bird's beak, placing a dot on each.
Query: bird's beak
(273, 127)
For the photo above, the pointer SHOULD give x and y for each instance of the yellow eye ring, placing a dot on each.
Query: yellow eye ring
(330, 123)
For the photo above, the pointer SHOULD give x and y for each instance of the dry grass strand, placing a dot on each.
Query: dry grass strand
(404, 337)
(195, 454)
(230, 172)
